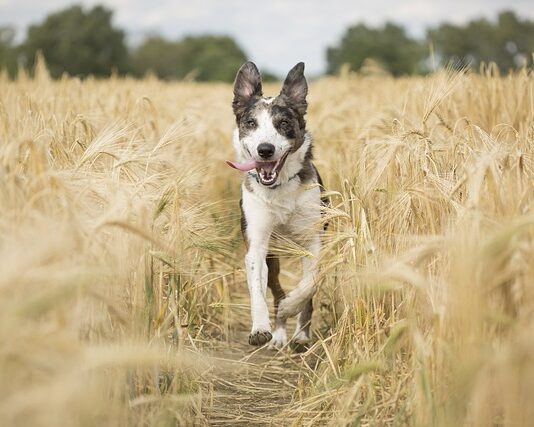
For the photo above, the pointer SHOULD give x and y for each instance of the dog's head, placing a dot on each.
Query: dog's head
(269, 129)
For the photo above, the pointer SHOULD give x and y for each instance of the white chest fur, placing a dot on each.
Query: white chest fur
(292, 207)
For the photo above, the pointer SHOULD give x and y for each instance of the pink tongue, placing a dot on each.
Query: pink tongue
(244, 167)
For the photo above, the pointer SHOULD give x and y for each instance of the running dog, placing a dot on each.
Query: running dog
(280, 195)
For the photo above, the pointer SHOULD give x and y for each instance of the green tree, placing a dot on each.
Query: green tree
(78, 42)
(509, 42)
(204, 58)
(389, 45)
(8, 50)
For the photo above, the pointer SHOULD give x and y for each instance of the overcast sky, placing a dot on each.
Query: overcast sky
(275, 34)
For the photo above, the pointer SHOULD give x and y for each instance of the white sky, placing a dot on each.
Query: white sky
(275, 34)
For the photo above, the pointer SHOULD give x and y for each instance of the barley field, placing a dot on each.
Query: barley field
(122, 292)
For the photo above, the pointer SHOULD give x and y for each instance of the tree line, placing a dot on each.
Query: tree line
(508, 42)
(85, 42)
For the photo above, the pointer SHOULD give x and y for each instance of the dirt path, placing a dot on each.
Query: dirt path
(250, 385)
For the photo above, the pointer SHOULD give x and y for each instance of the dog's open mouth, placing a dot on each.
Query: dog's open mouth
(267, 171)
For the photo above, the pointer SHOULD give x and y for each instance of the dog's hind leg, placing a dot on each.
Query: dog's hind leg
(279, 334)
(301, 337)
(299, 300)
(273, 266)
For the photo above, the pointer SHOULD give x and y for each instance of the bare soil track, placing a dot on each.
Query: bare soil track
(252, 386)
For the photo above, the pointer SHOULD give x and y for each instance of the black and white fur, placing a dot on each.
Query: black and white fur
(290, 206)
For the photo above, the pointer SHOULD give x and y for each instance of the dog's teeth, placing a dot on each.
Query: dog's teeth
(268, 177)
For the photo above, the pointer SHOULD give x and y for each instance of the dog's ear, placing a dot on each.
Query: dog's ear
(295, 88)
(246, 85)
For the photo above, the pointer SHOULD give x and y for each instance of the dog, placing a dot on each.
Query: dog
(280, 195)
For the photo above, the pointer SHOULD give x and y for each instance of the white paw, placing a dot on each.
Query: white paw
(279, 339)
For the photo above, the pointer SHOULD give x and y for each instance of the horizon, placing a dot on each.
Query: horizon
(278, 34)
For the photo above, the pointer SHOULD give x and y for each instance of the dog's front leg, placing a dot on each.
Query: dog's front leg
(257, 285)
(257, 227)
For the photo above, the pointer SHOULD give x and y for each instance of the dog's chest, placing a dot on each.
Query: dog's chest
(288, 208)
(282, 205)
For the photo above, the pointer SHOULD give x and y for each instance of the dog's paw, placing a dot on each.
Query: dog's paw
(300, 342)
(299, 346)
(259, 337)
(279, 339)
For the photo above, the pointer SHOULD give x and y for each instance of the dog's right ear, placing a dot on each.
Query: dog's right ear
(247, 84)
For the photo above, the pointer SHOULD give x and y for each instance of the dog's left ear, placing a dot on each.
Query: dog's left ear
(295, 88)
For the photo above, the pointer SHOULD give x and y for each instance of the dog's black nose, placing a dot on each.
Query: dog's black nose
(265, 150)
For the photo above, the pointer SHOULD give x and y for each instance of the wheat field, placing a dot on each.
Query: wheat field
(122, 292)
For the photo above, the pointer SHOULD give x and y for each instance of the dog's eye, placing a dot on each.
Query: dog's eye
(284, 124)
(250, 123)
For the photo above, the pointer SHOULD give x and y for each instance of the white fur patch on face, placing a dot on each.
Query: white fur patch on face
(265, 132)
